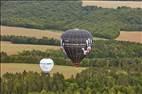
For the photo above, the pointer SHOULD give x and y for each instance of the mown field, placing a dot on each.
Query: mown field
(11, 49)
(130, 36)
(67, 71)
(6, 30)
(112, 4)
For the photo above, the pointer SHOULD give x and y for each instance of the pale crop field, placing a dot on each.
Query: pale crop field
(130, 36)
(11, 49)
(112, 4)
(18, 31)
(67, 71)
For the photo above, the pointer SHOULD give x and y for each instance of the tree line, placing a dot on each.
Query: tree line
(30, 40)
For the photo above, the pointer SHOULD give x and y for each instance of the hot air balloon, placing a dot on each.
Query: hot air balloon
(46, 65)
(76, 44)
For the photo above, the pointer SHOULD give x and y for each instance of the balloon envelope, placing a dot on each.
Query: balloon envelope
(76, 44)
(46, 64)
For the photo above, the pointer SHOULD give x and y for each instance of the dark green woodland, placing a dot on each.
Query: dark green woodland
(63, 15)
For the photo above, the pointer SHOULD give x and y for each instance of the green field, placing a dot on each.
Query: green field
(67, 71)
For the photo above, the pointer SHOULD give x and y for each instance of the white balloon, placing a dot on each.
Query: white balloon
(46, 64)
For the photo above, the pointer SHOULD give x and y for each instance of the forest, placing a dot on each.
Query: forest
(94, 80)
(60, 15)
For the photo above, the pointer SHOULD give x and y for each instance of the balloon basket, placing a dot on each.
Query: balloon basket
(76, 64)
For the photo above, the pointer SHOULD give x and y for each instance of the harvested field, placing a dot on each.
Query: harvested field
(67, 71)
(130, 36)
(18, 31)
(10, 48)
(113, 4)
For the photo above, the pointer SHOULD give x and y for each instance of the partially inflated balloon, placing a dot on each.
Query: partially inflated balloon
(76, 44)
(46, 65)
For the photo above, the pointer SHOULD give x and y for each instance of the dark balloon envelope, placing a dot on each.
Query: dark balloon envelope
(76, 44)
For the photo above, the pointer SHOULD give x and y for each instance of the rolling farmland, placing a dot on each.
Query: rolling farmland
(112, 67)
(67, 71)
(113, 4)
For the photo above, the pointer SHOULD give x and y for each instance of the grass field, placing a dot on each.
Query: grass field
(67, 71)
(130, 36)
(10, 48)
(112, 4)
(18, 31)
